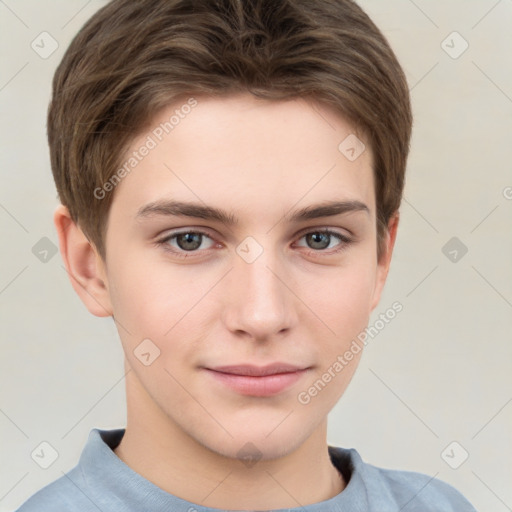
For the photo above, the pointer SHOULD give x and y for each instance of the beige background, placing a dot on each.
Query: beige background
(439, 372)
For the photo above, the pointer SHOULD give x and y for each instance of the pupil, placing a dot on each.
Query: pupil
(188, 239)
(317, 239)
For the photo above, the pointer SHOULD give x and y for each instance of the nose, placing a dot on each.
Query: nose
(259, 302)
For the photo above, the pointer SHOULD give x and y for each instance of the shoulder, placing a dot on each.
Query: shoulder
(64, 494)
(88, 485)
(417, 492)
(390, 490)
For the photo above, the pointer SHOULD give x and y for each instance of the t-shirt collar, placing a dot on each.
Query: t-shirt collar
(111, 482)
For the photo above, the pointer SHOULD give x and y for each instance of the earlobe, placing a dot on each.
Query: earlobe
(83, 265)
(385, 260)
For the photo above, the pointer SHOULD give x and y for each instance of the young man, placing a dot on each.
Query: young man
(230, 173)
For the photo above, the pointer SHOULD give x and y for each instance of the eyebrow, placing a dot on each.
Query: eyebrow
(170, 208)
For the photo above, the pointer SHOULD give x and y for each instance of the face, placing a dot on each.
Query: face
(206, 303)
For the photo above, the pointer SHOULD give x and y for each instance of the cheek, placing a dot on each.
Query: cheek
(344, 308)
(344, 300)
(158, 302)
(143, 299)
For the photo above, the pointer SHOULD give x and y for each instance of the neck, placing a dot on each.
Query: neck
(161, 452)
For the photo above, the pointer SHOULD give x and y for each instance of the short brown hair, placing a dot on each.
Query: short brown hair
(132, 58)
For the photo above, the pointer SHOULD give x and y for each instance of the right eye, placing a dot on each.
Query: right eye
(187, 242)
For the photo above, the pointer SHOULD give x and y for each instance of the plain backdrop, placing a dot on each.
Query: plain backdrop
(433, 387)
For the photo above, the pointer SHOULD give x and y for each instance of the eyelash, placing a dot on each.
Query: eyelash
(345, 242)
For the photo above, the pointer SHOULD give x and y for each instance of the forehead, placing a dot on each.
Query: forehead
(253, 155)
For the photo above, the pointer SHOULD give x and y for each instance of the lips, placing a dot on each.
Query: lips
(258, 371)
(257, 381)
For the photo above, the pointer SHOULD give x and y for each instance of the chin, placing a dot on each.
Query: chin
(255, 443)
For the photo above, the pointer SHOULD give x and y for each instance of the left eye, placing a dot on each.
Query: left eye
(191, 241)
(323, 237)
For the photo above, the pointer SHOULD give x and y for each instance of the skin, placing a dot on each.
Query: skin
(295, 303)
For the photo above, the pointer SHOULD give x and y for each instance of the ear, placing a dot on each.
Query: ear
(84, 266)
(385, 259)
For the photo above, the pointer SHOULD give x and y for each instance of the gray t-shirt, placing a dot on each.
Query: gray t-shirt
(101, 481)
